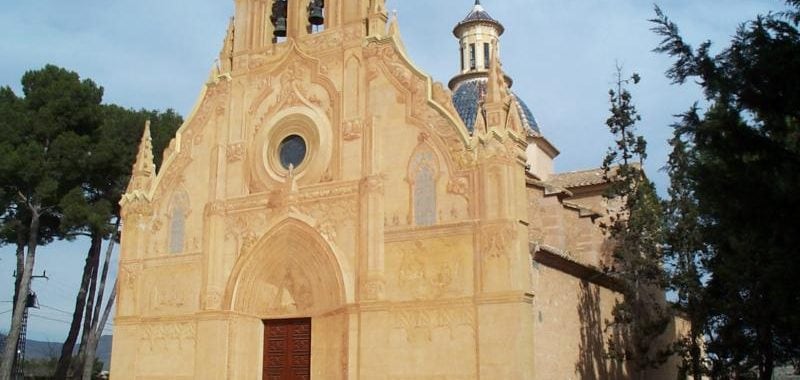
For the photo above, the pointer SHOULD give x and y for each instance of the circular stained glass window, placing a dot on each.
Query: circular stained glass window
(292, 151)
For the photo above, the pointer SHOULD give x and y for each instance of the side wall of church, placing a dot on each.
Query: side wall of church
(564, 228)
(571, 314)
(570, 326)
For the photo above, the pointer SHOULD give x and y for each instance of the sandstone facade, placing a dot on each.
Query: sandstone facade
(322, 175)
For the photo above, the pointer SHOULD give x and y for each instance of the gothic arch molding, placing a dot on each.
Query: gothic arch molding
(292, 271)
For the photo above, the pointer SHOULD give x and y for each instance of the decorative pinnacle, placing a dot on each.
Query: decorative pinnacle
(144, 169)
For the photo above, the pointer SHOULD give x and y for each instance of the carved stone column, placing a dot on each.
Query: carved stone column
(371, 237)
(372, 218)
(214, 213)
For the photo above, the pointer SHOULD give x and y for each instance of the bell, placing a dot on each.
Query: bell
(280, 27)
(316, 12)
(278, 18)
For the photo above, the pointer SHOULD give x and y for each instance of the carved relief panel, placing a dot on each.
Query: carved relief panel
(440, 341)
(176, 341)
(430, 269)
(496, 243)
(171, 290)
(127, 303)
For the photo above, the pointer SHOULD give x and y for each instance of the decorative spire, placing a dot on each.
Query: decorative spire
(495, 84)
(377, 18)
(144, 170)
(394, 28)
(225, 63)
(378, 6)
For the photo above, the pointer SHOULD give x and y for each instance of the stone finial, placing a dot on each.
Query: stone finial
(394, 27)
(144, 169)
(225, 63)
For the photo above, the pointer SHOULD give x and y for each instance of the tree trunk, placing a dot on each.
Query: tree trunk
(80, 303)
(88, 311)
(7, 360)
(20, 265)
(94, 333)
(104, 275)
(767, 355)
(695, 353)
(20, 254)
(91, 351)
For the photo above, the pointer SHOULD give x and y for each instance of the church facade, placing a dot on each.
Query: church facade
(328, 211)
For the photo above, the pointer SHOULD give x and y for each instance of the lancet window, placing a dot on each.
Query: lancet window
(487, 55)
(423, 172)
(179, 209)
(472, 56)
(462, 57)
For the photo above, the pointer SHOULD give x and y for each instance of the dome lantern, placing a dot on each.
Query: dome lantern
(479, 46)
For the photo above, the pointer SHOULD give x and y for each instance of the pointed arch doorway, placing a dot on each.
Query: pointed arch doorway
(291, 284)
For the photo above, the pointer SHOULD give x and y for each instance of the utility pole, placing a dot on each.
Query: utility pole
(18, 369)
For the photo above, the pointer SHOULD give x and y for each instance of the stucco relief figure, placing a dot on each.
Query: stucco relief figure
(292, 294)
(424, 275)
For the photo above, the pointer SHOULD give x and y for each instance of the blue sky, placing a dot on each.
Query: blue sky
(561, 54)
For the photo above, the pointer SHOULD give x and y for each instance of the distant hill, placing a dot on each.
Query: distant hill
(42, 350)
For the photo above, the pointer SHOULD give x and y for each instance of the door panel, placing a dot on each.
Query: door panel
(287, 349)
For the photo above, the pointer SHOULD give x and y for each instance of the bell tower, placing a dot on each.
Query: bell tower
(261, 23)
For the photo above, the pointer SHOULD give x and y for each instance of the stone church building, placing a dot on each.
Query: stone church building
(328, 211)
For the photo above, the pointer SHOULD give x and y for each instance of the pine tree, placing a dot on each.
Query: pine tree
(636, 227)
(65, 162)
(40, 162)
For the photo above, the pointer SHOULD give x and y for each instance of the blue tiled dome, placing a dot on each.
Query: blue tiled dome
(467, 96)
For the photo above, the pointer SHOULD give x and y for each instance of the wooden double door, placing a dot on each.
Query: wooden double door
(287, 349)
